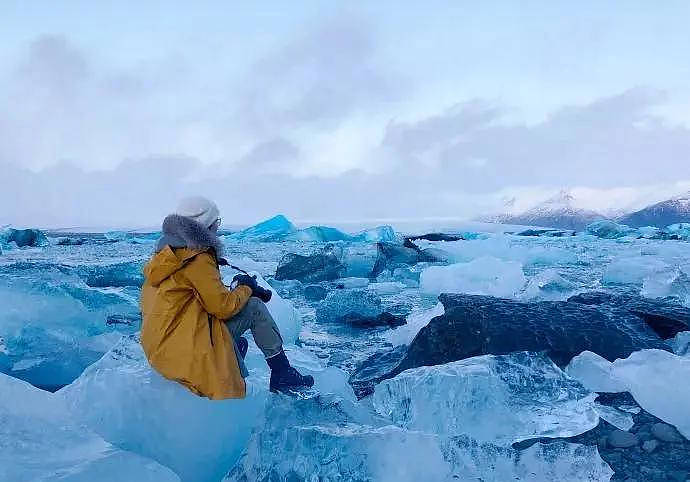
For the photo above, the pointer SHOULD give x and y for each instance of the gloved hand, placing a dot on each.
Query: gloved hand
(246, 280)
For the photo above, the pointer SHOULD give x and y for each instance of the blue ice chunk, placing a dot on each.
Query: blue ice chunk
(320, 234)
(49, 322)
(120, 397)
(128, 273)
(649, 232)
(681, 230)
(375, 235)
(23, 237)
(499, 399)
(326, 438)
(342, 303)
(681, 343)
(608, 229)
(548, 285)
(273, 229)
(41, 441)
(359, 259)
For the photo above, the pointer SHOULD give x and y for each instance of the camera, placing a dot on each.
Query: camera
(260, 292)
(263, 294)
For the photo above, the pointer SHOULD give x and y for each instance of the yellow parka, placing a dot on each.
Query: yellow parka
(183, 305)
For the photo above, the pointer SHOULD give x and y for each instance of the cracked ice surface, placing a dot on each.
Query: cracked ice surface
(321, 439)
(503, 399)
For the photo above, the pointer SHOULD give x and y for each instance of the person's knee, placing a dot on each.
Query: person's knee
(258, 307)
(256, 304)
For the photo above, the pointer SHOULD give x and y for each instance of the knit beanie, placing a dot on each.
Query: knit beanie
(199, 209)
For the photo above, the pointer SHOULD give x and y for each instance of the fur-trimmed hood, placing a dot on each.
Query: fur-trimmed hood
(182, 232)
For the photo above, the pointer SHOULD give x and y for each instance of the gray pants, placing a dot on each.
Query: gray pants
(256, 317)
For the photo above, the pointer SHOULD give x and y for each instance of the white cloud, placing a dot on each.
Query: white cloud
(312, 129)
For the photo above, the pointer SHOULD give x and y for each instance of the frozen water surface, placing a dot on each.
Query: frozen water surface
(70, 317)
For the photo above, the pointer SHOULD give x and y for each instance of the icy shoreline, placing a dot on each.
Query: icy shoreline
(503, 411)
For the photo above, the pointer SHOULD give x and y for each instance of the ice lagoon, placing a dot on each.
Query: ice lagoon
(79, 401)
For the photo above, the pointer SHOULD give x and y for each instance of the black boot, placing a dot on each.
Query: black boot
(242, 345)
(284, 377)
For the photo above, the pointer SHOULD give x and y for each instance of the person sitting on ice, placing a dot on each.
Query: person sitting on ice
(193, 324)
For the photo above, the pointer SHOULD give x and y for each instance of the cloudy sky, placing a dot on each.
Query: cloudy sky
(372, 110)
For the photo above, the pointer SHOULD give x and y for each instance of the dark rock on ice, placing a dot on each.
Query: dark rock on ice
(478, 325)
(325, 265)
(622, 439)
(437, 237)
(666, 319)
(391, 256)
(548, 233)
(382, 319)
(374, 369)
(70, 241)
(124, 320)
(667, 433)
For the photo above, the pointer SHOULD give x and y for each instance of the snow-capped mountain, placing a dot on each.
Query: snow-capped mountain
(661, 214)
(558, 211)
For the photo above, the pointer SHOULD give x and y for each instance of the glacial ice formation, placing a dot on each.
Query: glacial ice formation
(280, 228)
(380, 234)
(359, 259)
(682, 230)
(595, 373)
(39, 440)
(609, 229)
(482, 276)
(548, 285)
(673, 284)
(507, 248)
(330, 438)
(343, 452)
(52, 326)
(342, 303)
(122, 274)
(681, 343)
(657, 379)
(272, 229)
(22, 238)
(131, 406)
(324, 265)
(633, 270)
(499, 399)
(415, 322)
(387, 287)
(542, 462)
(319, 234)
(618, 418)
(127, 403)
